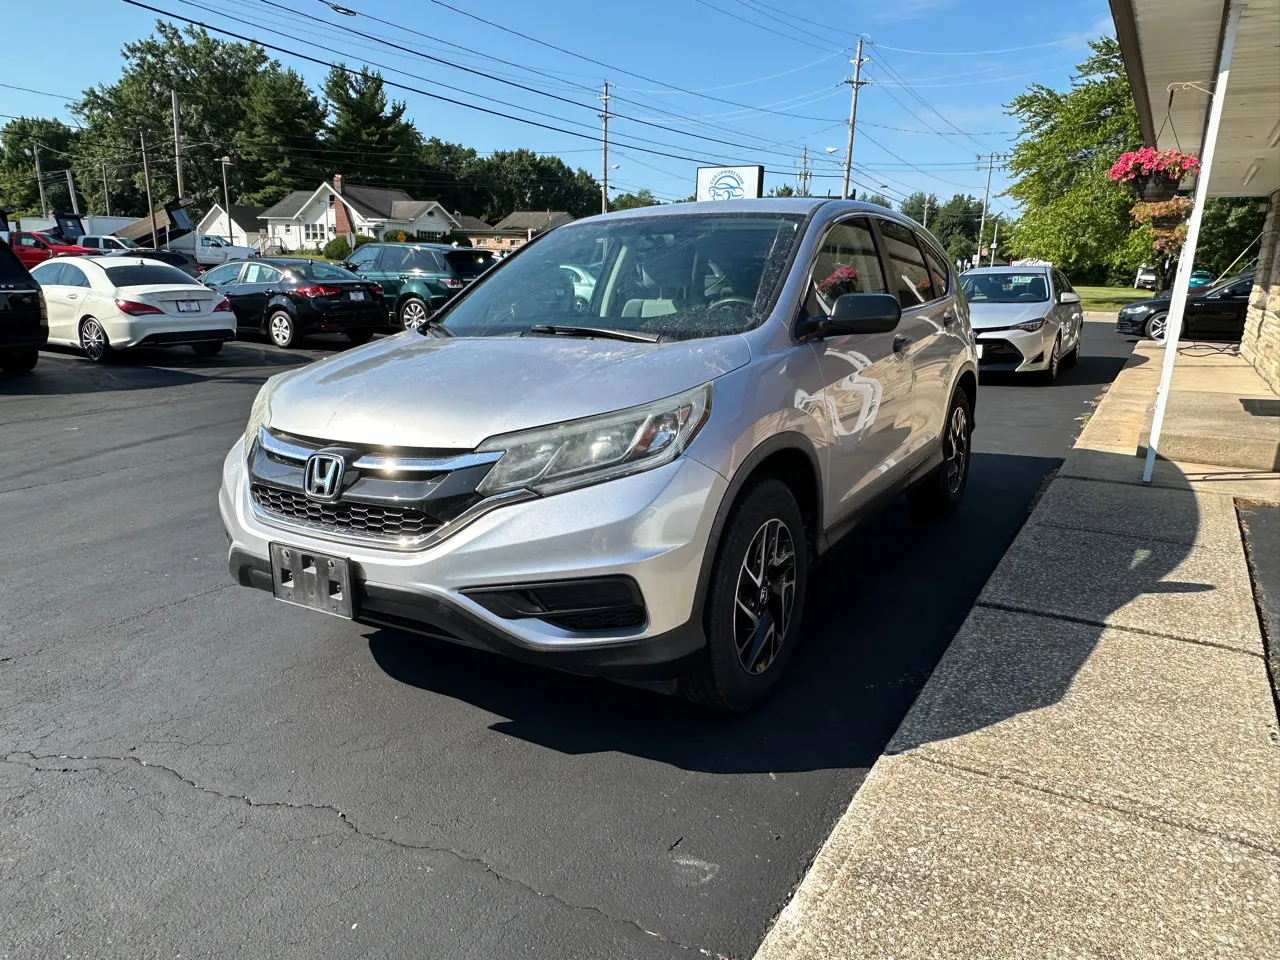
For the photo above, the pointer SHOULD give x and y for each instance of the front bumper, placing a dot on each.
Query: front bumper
(1133, 324)
(650, 527)
(1015, 351)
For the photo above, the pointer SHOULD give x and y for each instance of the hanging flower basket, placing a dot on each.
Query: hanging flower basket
(1163, 215)
(1153, 175)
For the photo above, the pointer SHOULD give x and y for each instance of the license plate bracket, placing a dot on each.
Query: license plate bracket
(188, 306)
(357, 294)
(312, 580)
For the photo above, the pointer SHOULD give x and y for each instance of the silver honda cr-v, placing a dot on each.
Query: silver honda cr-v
(630, 478)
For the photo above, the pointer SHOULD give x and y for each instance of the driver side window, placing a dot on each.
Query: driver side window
(847, 263)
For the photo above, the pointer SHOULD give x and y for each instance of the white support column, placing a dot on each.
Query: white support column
(1186, 261)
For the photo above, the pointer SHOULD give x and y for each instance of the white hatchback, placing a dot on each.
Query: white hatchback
(105, 304)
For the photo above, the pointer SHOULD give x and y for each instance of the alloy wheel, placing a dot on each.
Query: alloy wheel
(413, 314)
(281, 329)
(94, 340)
(765, 596)
(1158, 328)
(955, 449)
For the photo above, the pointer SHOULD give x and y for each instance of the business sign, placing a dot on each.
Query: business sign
(730, 183)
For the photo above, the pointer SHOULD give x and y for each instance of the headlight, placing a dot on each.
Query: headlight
(1135, 309)
(259, 414)
(581, 452)
(1031, 326)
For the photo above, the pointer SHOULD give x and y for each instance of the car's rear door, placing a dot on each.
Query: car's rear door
(396, 265)
(1223, 315)
(258, 283)
(866, 384)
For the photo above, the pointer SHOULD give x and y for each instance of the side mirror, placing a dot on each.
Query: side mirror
(862, 313)
(1068, 296)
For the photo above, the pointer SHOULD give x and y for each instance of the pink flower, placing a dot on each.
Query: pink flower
(1148, 160)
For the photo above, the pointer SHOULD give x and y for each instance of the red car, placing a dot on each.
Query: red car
(33, 248)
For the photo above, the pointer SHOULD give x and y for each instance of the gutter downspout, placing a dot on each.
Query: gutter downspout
(1186, 260)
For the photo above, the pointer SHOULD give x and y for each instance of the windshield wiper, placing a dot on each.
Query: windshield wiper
(631, 336)
(431, 323)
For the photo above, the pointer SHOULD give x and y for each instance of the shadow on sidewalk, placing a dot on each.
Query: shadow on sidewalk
(883, 607)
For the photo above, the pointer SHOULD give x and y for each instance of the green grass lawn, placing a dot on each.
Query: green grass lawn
(1109, 299)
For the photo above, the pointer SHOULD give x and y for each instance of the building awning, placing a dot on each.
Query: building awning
(1176, 44)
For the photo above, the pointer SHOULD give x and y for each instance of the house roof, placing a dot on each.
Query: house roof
(289, 207)
(535, 220)
(374, 203)
(469, 224)
(248, 218)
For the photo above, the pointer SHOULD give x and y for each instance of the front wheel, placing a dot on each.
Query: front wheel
(1157, 327)
(1050, 372)
(940, 492)
(19, 361)
(754, 601)
(282, 330)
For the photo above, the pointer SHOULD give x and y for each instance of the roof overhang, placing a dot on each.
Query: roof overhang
(1175, 47)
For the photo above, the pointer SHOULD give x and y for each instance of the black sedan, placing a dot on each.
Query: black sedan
(186, 264)
(1216, 312)
(288, 298)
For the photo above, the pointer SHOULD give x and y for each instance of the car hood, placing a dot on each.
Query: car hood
(454, 392)
(986, 316)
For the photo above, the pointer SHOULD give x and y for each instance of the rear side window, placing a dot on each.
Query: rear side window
(259, 273)
(428, 260)
(143, 273)
(937, 267)
(909, 278)
(11, 268)
(323, 271)
(73, 276)
(397, 260)
(468, 263)
(91, 242)
(847, 263)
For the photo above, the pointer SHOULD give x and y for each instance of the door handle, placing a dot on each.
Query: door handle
(73, 296)
(948, 318)
(403, 276)
(901, 342)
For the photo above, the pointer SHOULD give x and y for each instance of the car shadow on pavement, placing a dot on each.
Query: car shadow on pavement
(883, 606)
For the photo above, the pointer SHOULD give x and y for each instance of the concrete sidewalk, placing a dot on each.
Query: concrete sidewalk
(1094, 768)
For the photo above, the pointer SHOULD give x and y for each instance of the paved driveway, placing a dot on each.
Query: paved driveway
(188, 767)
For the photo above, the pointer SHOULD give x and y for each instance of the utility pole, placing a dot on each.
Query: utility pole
(146, 177)
(805, 175)
(71, 189)
(926, 211)
(991, 159)
(44, 205)
(994, 238)
(106, 191)
(177, 142)
(604, 149)
(855, 82)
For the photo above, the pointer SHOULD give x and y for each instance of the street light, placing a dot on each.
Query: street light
(226, 196)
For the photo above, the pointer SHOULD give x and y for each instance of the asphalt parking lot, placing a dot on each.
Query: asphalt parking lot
(190, 768)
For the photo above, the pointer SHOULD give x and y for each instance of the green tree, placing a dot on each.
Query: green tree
(367, 135)
(879, 199)
(629, 201)
(914, 205)
(277, 144)
(1071, 213)
(1230, 228)
(782, 190)
(522, 180)
(213, 79)
(19, 191)
(442, 176)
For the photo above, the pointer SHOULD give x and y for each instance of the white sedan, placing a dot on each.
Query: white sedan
(105, 304)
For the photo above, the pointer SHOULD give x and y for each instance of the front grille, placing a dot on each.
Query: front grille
(372, 520)
(616, 618)
(1000, 351)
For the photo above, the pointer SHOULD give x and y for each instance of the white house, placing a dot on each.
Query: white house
(243, 228)
(305, 219)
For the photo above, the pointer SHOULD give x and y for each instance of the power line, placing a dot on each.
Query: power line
(773, 31)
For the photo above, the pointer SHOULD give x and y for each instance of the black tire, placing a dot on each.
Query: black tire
(357, 337)
(941, 491)
(413, 313)
(1156, 327)
(741, 666)
(282, 330)
(19, 361)
(207, 349)
(94, 342)
(1050, 373)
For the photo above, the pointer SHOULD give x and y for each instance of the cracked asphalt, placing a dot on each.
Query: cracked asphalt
(188, 768)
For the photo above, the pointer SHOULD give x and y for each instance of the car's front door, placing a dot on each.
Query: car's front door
(865, 397)
(31, 249)
(225, 280)
(57, 305)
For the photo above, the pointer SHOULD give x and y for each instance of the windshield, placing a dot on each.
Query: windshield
(321, 271)
(141, 273)
(1005, 287)
(678, 277)
(469, 263)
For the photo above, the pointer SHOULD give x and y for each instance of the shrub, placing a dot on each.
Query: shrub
(337, 249)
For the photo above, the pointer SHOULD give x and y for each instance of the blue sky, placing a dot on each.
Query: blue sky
(763, 79)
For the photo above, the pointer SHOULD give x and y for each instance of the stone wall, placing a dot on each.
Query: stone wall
(1261, 343)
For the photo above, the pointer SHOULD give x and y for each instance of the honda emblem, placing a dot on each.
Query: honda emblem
(323, 477)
